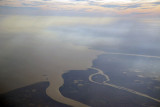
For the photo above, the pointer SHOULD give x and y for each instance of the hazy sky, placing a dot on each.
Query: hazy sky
(82, 7)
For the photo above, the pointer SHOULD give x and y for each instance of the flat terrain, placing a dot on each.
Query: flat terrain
(122, 72)
(29, 96)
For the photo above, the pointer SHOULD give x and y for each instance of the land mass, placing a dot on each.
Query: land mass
(30, 96)
(117, 84)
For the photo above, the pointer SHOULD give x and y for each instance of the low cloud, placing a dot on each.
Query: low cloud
(122, 6)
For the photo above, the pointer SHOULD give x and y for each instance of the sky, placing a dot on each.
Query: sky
(82, 7)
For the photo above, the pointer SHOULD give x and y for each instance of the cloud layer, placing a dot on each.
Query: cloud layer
(103, 7)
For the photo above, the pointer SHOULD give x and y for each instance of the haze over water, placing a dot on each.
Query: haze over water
(39, 42)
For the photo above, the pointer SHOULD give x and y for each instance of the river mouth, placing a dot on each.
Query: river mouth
(106, 78)
(30, 56)
(120, 82)
(44, 48)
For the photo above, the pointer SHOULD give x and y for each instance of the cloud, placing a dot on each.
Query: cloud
(122, 6)
(80, 0)
(79, 7)
(156, 3)
(16, 24)
(47, 0)
(33, 3)
(6, 10)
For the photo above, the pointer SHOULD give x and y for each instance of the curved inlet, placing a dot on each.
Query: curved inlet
(100, 72)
